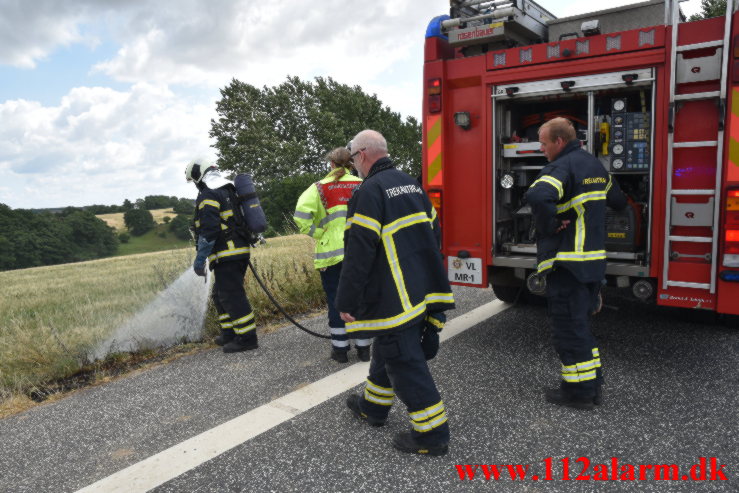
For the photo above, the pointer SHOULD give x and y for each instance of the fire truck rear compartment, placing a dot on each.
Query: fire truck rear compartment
(614, 124)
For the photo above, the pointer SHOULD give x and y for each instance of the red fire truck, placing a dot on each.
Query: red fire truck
(655, 98)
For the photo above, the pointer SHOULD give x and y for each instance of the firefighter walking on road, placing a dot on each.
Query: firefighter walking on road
(321, 214)
(568, 201)
(394, 287)
(227, 251)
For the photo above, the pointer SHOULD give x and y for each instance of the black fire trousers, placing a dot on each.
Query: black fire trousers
(570, 304)
(230, 298)
(398, 367)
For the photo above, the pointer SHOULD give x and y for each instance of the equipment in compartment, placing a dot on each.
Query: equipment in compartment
(630, 135)
(624, 229)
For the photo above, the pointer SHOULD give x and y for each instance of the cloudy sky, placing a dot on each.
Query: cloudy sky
(106, 100)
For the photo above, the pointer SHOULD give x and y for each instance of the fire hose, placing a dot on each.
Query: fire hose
(282, 310)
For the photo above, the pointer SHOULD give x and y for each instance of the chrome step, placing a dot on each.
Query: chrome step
(705, 143)
(691, 239)
(700, 46)
(693, 192)
(694, 285)
(697, 96)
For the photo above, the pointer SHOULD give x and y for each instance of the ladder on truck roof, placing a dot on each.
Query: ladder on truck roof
(695, 217)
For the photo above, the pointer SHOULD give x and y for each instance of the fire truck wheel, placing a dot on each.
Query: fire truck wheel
(510, 294)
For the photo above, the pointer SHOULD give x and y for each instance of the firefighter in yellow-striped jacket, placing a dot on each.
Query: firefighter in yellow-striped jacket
(321, 214)
(394, 288)
(568, 201)
(227, 251)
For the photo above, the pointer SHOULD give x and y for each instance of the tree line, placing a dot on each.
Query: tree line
(32, 238)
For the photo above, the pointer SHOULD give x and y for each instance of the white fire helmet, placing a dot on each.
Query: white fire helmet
(196, 169)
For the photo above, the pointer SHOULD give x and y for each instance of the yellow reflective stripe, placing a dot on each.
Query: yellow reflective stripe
(223, 227)
(392, 254)
(212, 203)
(430, 425)
(596, 352)
(244, 330)
(365, 221)
(227, 214)
(580, 228)
(244, 319)
(610, 183)
(382, 401)
(581, 199)
(571, 257)
(404, 222)
(430, 411)
(436, 323)
(553, 182)
(440, 298)
(223, 317)
(197, 223)
(580, 372)
(433, 213)
(229, 253)
(397, 272)
(388, 323)
(376, 389)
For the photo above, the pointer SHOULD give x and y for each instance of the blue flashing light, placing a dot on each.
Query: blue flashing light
(434, 28)
(730, 276)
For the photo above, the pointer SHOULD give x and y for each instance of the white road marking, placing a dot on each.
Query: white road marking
(168, 464)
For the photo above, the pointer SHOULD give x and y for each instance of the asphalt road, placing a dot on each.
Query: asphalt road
(671, 397)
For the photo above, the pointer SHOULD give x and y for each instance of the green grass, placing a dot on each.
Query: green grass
(52, 316)
(152, 241)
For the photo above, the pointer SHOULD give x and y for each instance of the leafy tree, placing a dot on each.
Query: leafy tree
(184, 206)
(180, 226)
(127, 205)
(710, 8)
(152, 202)
(32, 239)
(91, 235)
(138, 221)
(124, 237)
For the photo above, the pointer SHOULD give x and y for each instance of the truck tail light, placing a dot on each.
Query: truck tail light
(731, 240)
(731, 248)
(435, 197)
(433, 92)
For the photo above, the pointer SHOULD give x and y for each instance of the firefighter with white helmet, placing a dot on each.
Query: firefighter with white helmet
(227, 251)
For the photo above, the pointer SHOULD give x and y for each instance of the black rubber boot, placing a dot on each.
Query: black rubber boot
(363, 352)
(241, 342)
(352, 402)
(227, 335)
(340, 356)
(557, 396)
(406, 443)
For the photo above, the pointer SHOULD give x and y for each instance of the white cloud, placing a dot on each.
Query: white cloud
(100, 146)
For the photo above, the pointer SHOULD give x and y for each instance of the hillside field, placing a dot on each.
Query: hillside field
(53, 316)
(115, 219)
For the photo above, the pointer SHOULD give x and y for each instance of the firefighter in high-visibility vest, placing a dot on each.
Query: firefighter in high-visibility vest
(568, 201)
(321, 214)
(227, 252)
(394, 288)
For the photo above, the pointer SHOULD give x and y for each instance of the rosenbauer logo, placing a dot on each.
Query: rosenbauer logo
(582, 469)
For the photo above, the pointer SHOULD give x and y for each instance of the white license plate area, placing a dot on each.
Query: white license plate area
(465, 270)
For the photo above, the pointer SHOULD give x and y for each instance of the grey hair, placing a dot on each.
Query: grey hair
(371, 140)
